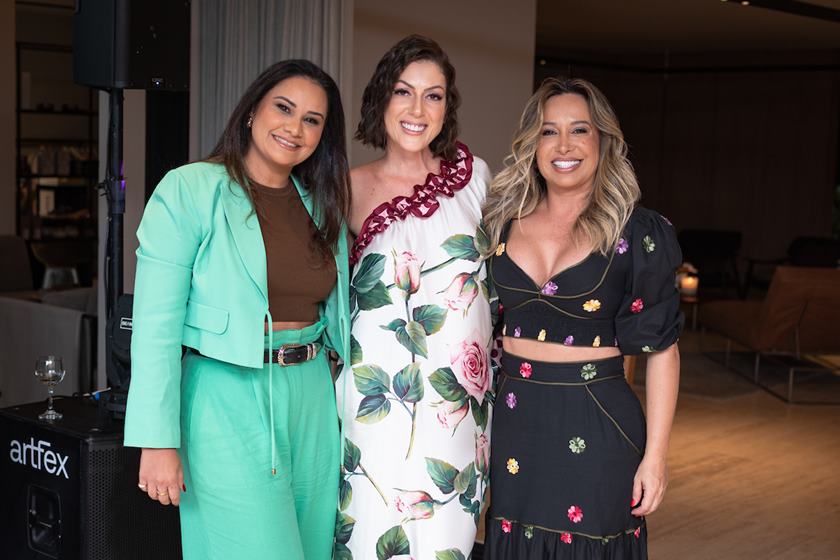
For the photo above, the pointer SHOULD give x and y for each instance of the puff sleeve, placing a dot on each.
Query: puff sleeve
(649, 319)
(170, 234)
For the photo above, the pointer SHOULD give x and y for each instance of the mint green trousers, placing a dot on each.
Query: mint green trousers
(234, 507)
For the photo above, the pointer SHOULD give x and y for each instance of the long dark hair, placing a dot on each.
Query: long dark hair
(380, 88)
(325, 173)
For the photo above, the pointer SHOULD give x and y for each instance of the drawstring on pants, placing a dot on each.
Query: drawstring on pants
(271, 395)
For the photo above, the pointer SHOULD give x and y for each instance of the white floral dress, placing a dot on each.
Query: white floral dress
(415, 399)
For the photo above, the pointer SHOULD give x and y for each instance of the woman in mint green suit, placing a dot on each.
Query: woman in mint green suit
(240, 430)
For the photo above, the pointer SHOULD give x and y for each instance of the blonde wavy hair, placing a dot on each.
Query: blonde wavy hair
(516, 190)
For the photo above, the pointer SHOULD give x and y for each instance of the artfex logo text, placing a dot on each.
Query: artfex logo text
(38, 456)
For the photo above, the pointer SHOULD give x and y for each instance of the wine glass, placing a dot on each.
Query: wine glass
(50, 371)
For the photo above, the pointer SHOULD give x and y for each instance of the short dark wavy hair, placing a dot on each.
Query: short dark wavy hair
(380, 88)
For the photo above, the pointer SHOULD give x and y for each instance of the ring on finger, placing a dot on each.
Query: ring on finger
(162, 493)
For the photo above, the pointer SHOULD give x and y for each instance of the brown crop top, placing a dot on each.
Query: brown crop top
(299, 278)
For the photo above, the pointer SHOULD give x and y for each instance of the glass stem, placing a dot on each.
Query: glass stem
(50, 402)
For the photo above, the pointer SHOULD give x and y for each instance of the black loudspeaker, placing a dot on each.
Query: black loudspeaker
(69, 490)
(132, 44)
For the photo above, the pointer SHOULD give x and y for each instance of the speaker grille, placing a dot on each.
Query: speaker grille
(101, 465)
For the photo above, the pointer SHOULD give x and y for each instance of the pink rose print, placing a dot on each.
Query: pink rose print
(461, 292)
(470, 365)
(566, 538)
(450, 414)
(637, 533)
(569, 341)
(415, 505)
(525, 370)
(549, 289)
(482, 454)
(637, 305)
(575, 514)
(506, 525)
(622, 246)
(510, 400)
(407, 272)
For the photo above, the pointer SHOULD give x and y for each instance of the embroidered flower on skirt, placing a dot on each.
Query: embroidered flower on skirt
(512, 466)
(637, 305)
(506, 525)
(588, 371)
(566, 538)
(510, 401)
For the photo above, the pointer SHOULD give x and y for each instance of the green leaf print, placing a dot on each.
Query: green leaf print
(352, 456)
(461, 246)
(479, 412)
(341, 552)
(373, 409)
(343, 527)
(449, 554)
(447, 386)
(394, 325)
(370, 272)
(482, 242)
(465, 478)
(408, 384)
(392, 543)
(431, 317)
(345, 493)
(377, 297)
(442, 473)
(413, 337)
(371, 380)
(355, 351)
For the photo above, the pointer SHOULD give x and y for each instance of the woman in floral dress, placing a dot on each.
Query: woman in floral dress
(415, 397)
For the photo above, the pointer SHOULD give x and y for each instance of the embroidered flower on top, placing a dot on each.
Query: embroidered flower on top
(517, 332)
(648, 349)
(622, 246)
(569, 340)
(637, 305)
(575, 514)
(549, 289)
(597, 342)
(588, 371)
(541, 336)
(648, 244)
(525, 370)
(592, 305)
(512, 466)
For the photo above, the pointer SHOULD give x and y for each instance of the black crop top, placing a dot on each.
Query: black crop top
(626, 299)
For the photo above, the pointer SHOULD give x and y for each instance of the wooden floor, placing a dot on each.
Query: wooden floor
(751, 478)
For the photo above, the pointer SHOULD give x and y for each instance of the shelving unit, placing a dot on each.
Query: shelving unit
(57, 165)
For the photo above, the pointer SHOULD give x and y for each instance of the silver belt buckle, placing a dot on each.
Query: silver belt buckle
(280, 353)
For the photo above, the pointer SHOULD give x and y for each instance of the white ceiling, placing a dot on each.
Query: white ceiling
(678, 26)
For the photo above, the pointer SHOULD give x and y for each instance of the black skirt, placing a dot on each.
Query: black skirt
(567, 440)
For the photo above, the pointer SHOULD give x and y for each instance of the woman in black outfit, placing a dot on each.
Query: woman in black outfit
(584, 276)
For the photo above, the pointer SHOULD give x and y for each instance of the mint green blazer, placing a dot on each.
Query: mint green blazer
(201, 282)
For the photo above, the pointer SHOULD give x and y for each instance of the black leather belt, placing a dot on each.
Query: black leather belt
(290, 354)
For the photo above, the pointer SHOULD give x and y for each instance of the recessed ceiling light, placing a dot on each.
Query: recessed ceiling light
(745, 3)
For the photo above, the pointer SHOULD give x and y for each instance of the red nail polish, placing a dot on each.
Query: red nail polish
(632, 502)
(184, 487)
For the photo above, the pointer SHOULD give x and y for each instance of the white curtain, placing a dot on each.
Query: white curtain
(238, 39)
